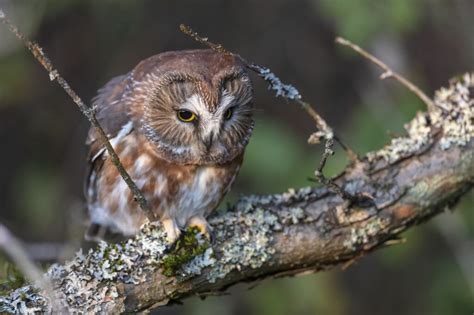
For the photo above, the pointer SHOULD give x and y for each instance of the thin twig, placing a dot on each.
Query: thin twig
(327, 181)
(203, 40)
(388, 72)
(18, 255)
(89, 112)
(286, 91)
(321, 122)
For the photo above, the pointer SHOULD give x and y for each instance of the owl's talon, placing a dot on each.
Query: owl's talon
(172, 230)
(204, 228)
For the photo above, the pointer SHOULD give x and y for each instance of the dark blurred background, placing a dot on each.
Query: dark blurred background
(42, 132)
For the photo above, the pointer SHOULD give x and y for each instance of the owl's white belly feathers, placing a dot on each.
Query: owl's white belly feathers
(198, 197)
(176, 192)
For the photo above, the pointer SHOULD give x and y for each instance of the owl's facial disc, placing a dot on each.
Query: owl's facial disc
(207, 126)
(190, 123)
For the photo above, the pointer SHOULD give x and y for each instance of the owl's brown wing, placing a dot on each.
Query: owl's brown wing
(112, 115)
(110, 111)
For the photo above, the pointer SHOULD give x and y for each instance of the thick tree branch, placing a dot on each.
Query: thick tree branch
(410, 180)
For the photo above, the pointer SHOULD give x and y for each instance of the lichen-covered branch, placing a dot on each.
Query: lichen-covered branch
(312, 229)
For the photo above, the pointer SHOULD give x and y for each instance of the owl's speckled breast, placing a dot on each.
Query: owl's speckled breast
(176, 192)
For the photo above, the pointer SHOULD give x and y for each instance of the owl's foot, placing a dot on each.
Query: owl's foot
(172, 230)
(201, 224)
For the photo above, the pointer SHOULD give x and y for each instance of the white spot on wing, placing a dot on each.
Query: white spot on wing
(99, 153)
(126, 129)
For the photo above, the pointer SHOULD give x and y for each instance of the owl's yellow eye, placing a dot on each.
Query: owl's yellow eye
(228, 113)
(186, 115)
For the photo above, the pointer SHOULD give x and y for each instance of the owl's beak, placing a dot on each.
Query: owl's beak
(209, 140)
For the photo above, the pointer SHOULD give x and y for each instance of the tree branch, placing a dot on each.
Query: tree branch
(410, 180)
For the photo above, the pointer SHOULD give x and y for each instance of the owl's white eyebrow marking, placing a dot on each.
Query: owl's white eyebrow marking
(226, 99)
(197, 104)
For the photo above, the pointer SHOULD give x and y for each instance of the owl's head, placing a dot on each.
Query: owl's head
(195, 106)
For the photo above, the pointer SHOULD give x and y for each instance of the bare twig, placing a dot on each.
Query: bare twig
(387, 71)
(320, 175)
(18, 255)
(89, 112)
(359, 199)
(286, 91)
(203, 40)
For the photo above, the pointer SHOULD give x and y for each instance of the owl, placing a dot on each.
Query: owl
(179, 122)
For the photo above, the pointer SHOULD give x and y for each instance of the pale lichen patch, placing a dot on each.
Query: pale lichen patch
(85, 281)
(456, 104)
(195, 266)
(244, 238)
(419, 135)
(85, 284)
(453, 114)
(363, 235)
(292, 215)
(244, 235)
(285, 90)
(25, 300)
(292, 194)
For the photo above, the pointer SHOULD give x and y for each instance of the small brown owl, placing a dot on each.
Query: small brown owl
(180, 122)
